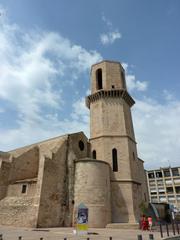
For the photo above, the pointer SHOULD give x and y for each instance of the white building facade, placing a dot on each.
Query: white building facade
(164, 186)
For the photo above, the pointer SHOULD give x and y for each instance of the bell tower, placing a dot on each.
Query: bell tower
(112, 137)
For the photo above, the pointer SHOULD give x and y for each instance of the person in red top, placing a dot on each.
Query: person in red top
(144, 223)
(150, 222)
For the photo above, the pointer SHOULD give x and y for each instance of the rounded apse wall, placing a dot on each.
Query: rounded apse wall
(92, 187)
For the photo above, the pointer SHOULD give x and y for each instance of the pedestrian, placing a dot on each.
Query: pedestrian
(150, 223)
(144, 223)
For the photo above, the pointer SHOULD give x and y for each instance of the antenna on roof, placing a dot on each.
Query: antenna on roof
(169, 164)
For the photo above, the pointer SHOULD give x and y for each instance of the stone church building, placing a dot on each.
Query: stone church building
(42, 184)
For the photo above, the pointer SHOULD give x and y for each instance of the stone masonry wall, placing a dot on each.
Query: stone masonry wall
(4, 176)
(17, 208)
(92, 187)
(53, 191)
(57, 193)
(25, 166)
(18, 211)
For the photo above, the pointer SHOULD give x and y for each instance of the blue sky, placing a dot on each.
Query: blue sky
(47, 48)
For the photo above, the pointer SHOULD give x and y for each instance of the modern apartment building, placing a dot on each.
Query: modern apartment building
(164, 186)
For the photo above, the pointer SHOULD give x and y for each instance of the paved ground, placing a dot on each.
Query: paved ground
(10, 233)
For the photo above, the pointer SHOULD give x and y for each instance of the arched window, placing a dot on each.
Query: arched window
(94, 154)
(134, 158)
(81, 145)
(24, 188)
(99, 84)
(114, 160)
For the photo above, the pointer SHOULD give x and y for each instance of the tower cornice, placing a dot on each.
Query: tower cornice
(113, 93)
(114, 136)
(106, 61)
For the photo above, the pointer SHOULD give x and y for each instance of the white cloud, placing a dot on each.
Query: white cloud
(132, 83)
(34, 69)
(110, 37)
(80, 111)
(157, 131)
(167, 95)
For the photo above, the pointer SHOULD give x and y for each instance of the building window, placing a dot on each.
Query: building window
(112, 86)
(81, 145)
(153, 193)
(162, 199)
(99, 84)
(152, 183)
(24, 188)
(159, 174)
(167, 173)
(94, 154)
(134, 156)
(159, 182)
(168, 182)
(175, 172)
(114, 160)
(169, 189)
(151, 175)
(177, 189)
(154, 199)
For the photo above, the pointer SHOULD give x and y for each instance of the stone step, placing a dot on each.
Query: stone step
(123, 225)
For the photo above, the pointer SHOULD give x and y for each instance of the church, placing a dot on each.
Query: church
(42, 184)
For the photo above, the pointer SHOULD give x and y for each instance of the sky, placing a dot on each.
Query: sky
(47, 49)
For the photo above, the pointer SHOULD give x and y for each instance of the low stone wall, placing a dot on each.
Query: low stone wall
(18, 211)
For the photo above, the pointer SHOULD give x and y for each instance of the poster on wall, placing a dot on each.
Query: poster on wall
(82, 219)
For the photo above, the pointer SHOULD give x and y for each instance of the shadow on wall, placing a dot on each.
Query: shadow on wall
(118, 204)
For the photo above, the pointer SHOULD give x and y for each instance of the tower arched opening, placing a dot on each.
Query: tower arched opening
(94, 154)
(114, 160)
(99, 83)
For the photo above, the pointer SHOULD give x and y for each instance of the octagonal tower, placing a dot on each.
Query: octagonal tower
(112, 137)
